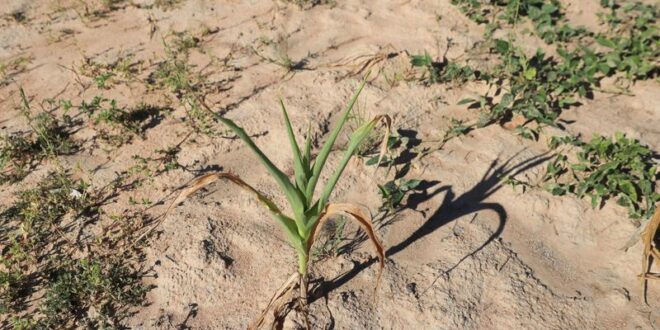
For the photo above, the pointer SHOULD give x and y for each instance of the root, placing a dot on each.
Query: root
(284, 302)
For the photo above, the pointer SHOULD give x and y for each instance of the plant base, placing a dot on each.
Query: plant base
(284, 301)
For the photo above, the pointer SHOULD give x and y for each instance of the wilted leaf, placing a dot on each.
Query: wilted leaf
(651, 252)
(357, 213)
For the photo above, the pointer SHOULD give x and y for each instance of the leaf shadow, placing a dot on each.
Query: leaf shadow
(452, 208)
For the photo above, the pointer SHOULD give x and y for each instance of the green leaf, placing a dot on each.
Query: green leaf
(466, 101)
(530, 73)
(301, 173)
(356, 139)
(629, 189)
(502, 46)
(595, 200)
(606, 42)
(579, 167)
(307, 153)
(421, 60)
(293, 195)
(291, 230)
(410, 184)
(325, 151)
(556, 189)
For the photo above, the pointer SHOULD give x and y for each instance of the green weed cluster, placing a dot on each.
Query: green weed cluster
(548, 20)
(538, 87)
(633, 40)
(607, 168)
(107, 287)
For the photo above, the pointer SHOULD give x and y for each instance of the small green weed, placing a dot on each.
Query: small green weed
(184, 41)
(176, 74)
(443, 72)
(21, 152)
(105, 75)
(117, 125)
(393, 192)
(11, 68)
(279, 50)
(165, 161)
(102, 78)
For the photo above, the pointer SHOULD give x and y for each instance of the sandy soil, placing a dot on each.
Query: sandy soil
(467, 253)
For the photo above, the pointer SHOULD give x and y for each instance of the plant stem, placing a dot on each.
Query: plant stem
(303, 299)
(303, 285)
(302, 263)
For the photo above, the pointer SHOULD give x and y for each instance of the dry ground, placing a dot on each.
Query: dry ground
(468, 252)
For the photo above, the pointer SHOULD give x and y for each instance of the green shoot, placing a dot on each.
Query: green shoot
(308, 209)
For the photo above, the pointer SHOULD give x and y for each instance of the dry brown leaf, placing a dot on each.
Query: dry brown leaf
(651, 252)
(361, 64)
(202, 182)
(363, 219)
(207, 179)
(282, 296)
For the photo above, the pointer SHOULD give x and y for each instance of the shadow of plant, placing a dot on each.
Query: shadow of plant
(452, 208)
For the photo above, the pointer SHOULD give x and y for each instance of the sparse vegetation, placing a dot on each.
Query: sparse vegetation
(85, 164)
(178, 76)
(117, 125)
(167, 4)
(330, 239)
(21, 152)
(109, 287)
(13, 67)
(306, 4)
(105, 75)
(94, 288)
(278, 53)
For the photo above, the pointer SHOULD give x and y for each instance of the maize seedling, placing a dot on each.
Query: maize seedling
(308, 212)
